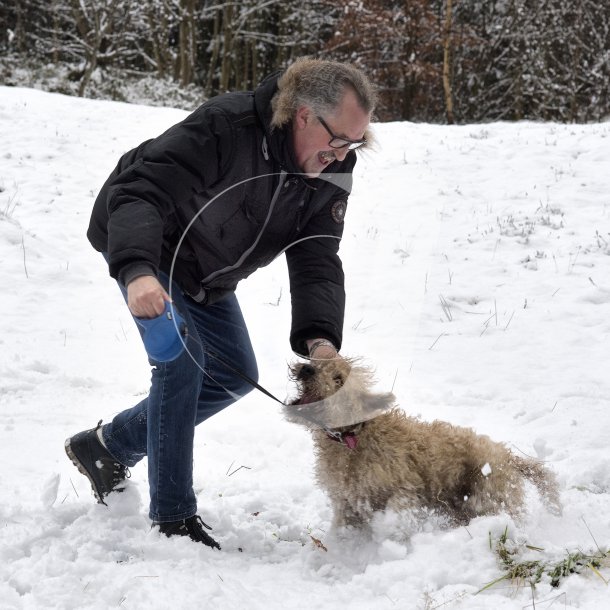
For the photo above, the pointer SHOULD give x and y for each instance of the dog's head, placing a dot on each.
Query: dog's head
(334, 394)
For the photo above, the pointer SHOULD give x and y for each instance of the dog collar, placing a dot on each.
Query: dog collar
(349, 439)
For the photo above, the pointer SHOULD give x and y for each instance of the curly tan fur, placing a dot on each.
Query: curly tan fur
(401, 462)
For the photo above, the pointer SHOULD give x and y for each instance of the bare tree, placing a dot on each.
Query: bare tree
(434, 60)
(248, 39)
(400, 43)
(535, 59)
(447, 47)
(99, 37)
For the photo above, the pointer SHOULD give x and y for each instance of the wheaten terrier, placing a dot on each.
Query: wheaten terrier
(372, 457)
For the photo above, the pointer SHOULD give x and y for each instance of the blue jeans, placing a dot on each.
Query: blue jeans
(183, 393)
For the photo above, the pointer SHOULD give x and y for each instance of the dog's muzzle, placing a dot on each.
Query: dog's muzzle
(305, 371)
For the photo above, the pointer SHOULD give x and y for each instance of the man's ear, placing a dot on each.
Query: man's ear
(302, 117)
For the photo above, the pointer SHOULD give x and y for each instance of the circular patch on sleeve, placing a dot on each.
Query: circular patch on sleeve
(337, 211)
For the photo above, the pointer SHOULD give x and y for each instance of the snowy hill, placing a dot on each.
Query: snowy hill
(478, 278)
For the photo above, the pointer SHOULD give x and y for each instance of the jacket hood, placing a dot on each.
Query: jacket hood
(263, 95)
(278, 140)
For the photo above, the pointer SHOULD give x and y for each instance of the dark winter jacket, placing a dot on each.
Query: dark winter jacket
(219, 195)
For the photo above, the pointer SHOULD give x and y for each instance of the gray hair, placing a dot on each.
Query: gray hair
(321, 85)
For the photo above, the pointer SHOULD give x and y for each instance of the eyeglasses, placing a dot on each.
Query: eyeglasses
(339, 141)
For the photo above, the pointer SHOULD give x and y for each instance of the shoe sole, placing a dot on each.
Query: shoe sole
(82, 470)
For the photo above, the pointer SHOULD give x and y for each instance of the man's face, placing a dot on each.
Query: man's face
(311, 139)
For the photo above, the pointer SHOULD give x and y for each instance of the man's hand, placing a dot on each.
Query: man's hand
(324, 353)
(321, 349)
(146, 297)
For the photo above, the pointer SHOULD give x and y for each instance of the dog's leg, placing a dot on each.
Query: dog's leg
(346, 514)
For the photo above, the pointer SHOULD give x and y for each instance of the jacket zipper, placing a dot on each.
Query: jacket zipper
(249, 251)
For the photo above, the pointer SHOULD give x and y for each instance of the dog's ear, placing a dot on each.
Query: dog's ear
(376, 404)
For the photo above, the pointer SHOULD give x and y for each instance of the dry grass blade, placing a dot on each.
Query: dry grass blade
(318, 543)
(533, 571)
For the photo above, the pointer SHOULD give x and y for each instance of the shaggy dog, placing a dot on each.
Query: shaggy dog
(372, 457)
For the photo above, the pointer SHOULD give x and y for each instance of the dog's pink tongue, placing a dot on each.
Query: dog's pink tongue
(351, 440)
(304, 400)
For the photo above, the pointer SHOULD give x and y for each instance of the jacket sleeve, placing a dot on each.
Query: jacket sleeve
(171, 169)
(317, 279)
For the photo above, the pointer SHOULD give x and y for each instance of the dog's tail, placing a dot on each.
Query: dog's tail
(544, 480)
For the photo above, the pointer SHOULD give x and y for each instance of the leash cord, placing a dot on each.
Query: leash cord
(243, 376)
(332, 433)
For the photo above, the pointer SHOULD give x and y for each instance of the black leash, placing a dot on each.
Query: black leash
(332, 433)
(243, 376)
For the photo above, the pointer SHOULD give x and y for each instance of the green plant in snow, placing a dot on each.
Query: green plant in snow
(533, 571)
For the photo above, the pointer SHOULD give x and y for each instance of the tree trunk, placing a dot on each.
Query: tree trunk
(447, 42)
(227, 36)
(188, 43)
(157, 25)
(214, 55)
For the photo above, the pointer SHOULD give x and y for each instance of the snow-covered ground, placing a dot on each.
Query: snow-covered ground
(478, 277)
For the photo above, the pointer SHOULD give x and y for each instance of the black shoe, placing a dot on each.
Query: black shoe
(191, 527)
(94, 461)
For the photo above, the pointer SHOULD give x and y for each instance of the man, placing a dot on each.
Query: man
(244, 178)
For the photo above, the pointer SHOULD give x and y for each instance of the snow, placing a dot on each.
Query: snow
(478, 264)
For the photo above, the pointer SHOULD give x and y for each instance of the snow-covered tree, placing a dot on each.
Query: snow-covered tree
(433, 60)
(537, 59)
